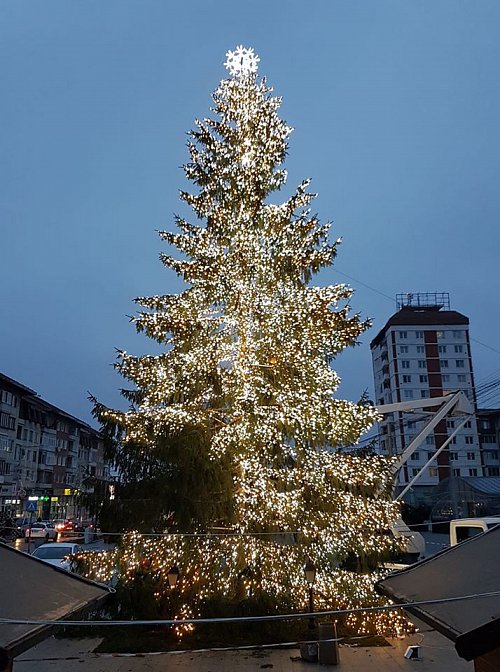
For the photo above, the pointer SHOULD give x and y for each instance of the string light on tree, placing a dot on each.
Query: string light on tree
(236, 422)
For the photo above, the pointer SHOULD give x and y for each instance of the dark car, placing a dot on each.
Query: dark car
(21, 524)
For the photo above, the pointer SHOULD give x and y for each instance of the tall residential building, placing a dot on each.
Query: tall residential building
(424, 351)
(46, 455)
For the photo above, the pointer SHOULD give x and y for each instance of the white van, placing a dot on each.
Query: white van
(465, 528)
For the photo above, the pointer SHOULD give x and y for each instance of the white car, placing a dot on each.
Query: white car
(40, 531)
(57, 554)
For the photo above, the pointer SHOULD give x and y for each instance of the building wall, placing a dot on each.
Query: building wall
(489, 439)
(44, 453)
(425, 353)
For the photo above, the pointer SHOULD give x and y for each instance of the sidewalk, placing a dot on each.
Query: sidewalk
(65, 655)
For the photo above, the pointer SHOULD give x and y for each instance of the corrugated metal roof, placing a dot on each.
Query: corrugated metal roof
(486, 484)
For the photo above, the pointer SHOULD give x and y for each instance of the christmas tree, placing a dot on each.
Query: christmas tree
(235, 428)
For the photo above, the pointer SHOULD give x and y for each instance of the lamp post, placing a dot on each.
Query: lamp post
(310, 572)
(173, 577)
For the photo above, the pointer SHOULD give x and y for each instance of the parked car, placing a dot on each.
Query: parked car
(21, 524)
(67, 526)
(57, 554)
(41, 530)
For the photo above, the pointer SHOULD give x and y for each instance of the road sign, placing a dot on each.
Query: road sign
(31, 507)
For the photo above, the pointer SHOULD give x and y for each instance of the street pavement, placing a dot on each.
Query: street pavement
(65, 655)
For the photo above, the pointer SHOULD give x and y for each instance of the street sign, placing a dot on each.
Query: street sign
(31, 507)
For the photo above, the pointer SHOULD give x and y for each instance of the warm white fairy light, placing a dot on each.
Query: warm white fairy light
(247, 363)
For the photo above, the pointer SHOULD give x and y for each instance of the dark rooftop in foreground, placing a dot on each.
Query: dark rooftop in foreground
(470, 568)
(33, 590)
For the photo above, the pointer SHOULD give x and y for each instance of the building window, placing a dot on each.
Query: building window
(414, 471)
(416, 456)
(6, 443)
(472, 472)
(420, 349)
(403, 349)
(485, 424)
(433, 472)
(424, 394)
(4, 468)
(422, 364)
(441, 349)
(460, 363)
(423, 378)
(457, 334)
(430, 455)
(454, 440)
(454, 457)
(440, 334)
(405, 363)
(408, 394)
(7, 421)
(488, 438)
(445, 377)
(471, 456)
(8, 398)
(406, 378)
(469, 440)
(450, 424)
(459, 348)
(443, 363)
(456, 472)
(461, 378)
(429, 440)
(403, 334)
(419, 334)
(493, 471)
(468, 424)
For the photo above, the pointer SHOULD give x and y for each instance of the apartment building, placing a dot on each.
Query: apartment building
(424, 351)
(46, 454)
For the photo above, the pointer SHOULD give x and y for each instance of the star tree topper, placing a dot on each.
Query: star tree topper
(242, 62)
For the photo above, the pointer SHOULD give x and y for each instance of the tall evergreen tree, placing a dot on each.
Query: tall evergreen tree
(236, 423)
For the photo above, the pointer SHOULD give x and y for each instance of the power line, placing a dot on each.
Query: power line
(359, 282)
(391, 299)
(257, 619)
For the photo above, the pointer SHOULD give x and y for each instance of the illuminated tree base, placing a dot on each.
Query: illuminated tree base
(241, 570)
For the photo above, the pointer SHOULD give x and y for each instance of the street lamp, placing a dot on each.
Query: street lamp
(310, 572)
(173, 576)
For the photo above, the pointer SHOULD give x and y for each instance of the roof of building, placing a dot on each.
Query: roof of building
(469, 568)
(15, 383)
(32, 398)
(488, 411)
(424, 317)
(489, 485)
(31, 589)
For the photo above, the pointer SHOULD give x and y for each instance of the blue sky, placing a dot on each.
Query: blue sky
(396, 109)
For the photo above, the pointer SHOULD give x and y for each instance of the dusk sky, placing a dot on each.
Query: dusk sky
(396, 110)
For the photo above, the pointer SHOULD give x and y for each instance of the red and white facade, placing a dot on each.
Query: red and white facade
(424, 351)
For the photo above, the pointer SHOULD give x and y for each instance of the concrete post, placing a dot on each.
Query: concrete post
(328, 651)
